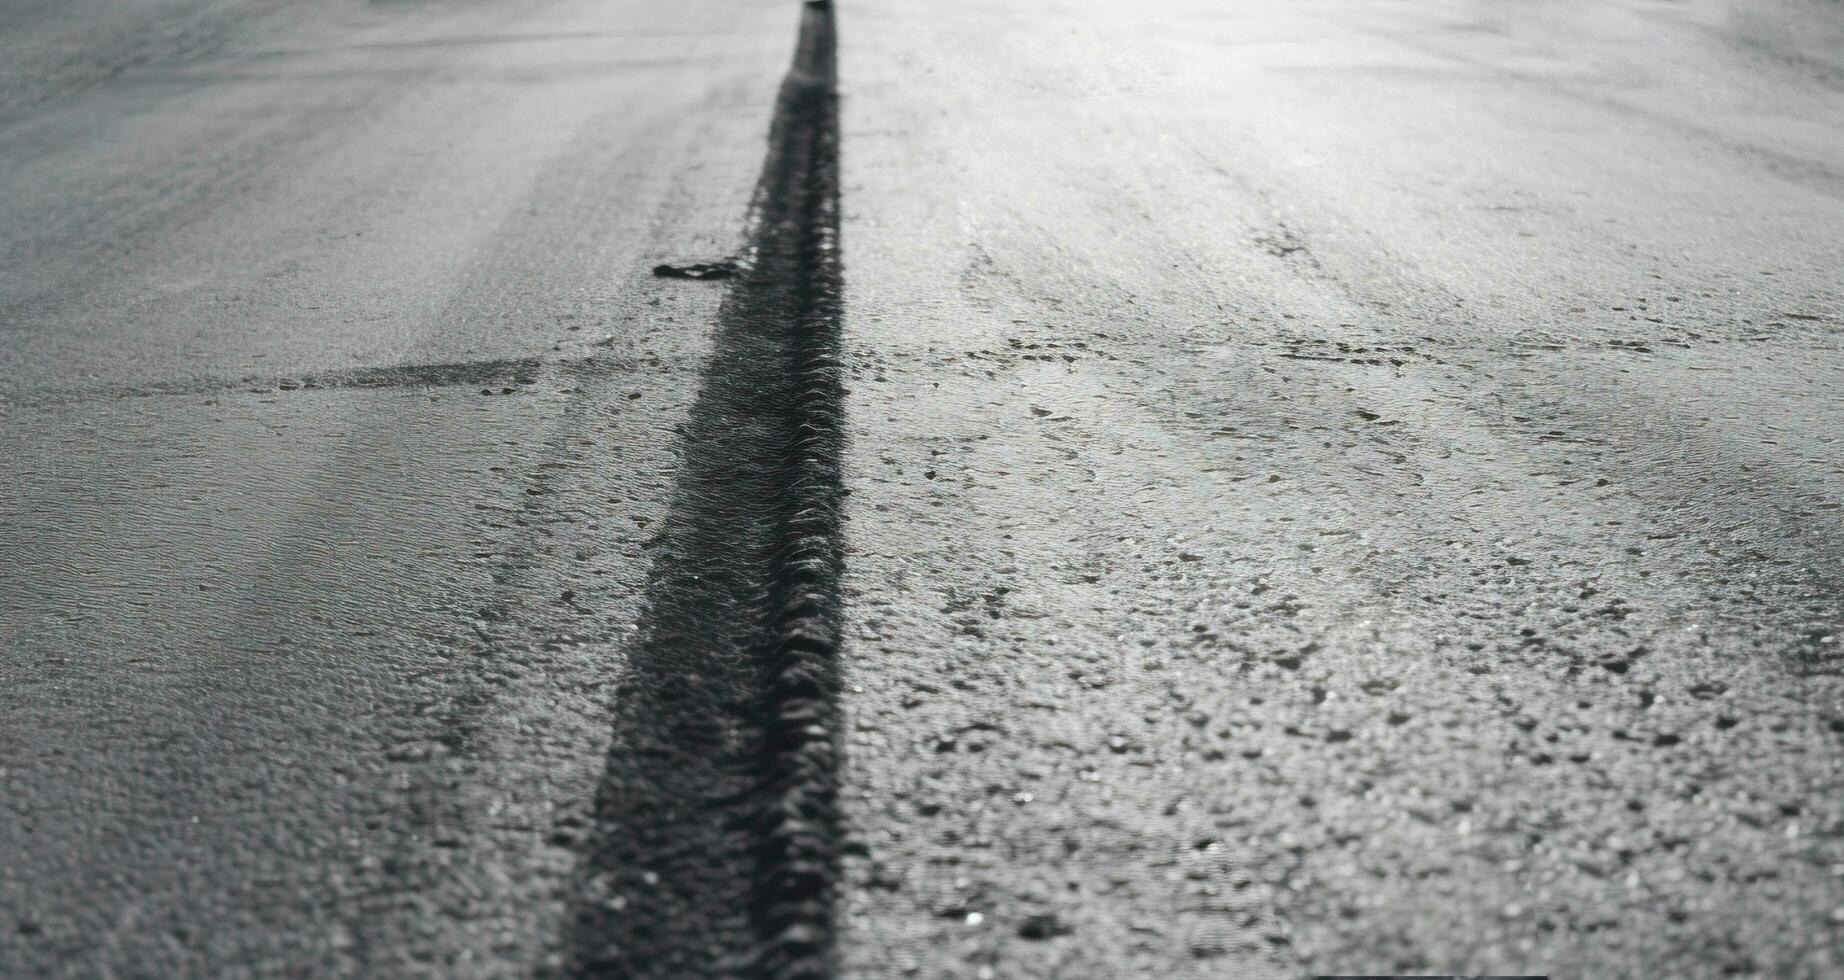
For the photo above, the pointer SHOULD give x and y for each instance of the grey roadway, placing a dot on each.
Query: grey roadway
(1335, 487)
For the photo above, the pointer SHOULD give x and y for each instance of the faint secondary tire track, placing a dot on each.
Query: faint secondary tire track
(714, 847)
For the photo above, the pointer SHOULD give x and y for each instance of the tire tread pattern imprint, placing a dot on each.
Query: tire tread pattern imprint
(715, 846)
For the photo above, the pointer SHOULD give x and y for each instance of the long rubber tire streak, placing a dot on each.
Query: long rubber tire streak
(714, 850)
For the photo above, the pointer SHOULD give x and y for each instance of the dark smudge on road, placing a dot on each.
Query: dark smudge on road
(697, 270)
(715, 844)
(495, 373)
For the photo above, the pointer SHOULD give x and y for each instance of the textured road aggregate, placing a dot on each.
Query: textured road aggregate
(1019, 488)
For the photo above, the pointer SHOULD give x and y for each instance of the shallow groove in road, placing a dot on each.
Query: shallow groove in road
(714, 846)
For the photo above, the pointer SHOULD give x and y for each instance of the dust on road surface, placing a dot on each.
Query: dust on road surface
(1332, 487)
(339, 417)
(1345, 488)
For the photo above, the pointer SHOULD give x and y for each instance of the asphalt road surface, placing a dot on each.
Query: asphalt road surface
(977, 489)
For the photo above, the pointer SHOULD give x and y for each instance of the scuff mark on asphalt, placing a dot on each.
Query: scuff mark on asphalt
(495, 372)
(715, 845)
